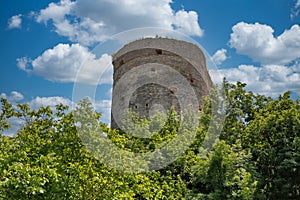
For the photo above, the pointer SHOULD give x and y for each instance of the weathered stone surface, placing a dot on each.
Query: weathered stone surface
(186, 58)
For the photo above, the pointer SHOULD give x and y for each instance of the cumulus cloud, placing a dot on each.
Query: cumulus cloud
(3, 95)
(49, 101)
(270, 80)
(55, 11)
(16, 96)
(187, 22)
(103, 106)
(15, 125)
(13, 97)
(258, 42)
(90, 21)
(70, 63)
(220, 56)
(22, 63)
(15, 22)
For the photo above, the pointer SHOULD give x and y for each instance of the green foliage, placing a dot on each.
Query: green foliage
(228, 176)
(53, 156)
(272, 137)
(6, 113)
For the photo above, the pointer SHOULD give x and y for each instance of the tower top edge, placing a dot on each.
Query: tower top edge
(180, 47)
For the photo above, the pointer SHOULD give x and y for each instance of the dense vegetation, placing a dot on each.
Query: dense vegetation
(257, 155)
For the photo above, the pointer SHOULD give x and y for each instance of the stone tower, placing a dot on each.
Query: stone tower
(153, 54)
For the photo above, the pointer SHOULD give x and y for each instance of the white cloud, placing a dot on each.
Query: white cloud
(55, 11)
(297, 5)
(16, 96)
(3, 95)
(22, 63)
(90, 21)
(13, 97)
(15, 22)
(70, 63)
(295, 10)
(17, 123)
(220, 56)
(270, 80)
(109, 93)
(104, 106)
(49, 101)
(187, 22)
(258, 42)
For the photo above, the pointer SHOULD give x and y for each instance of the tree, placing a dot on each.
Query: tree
(273, 137)
(47, 160)
(56, 155)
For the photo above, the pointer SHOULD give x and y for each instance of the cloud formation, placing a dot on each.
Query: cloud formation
(270, 80)
(69, 63)
(90, 21)
(13, 97)
(220, 56)
(49, 101)
(295, 10)
(15, 22)
(258, 42)
(104, 106)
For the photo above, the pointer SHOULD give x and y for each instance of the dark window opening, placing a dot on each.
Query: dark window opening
(135, 106)
(147, 104)
(200, 108)
(158, 51)
(121, 62)
(191, 79)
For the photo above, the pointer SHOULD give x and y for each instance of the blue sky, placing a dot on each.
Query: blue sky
(43, 43)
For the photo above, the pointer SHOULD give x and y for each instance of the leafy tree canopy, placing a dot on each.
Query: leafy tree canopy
(256, 155)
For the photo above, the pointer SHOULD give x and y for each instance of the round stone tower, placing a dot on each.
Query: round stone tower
(147, 60)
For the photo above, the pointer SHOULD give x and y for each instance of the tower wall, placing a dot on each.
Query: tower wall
(186, 58)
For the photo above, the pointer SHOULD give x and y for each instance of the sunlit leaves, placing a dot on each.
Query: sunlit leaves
(257, 155)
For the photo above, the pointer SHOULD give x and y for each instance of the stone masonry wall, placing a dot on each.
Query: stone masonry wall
(186, 58)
